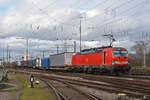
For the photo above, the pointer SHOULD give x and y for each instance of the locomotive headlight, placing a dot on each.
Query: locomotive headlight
(126, 62)
(115, 62)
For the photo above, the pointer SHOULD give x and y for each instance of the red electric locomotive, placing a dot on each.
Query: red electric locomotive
(103, 59)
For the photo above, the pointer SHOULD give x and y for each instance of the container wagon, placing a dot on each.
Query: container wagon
(61, 60)
(45, 63)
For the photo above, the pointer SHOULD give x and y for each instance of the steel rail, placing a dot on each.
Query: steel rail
(59, 95)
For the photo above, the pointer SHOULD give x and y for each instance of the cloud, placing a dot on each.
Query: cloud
(5, 1)
(51, 23)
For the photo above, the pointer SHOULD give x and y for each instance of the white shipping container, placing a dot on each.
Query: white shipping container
(62, 59)
(38, 62)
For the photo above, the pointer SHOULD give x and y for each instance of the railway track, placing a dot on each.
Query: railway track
(59, 95)
(61, 88)
(91, 96)
(105, 87)
(111, 84)
(146, 77)
(134, 85)
(129, 80)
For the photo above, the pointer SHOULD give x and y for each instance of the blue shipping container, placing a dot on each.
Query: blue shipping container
(32, 63)
(45, 62)
(22, 63)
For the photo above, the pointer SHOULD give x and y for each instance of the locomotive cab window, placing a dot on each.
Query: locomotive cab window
(120, 53)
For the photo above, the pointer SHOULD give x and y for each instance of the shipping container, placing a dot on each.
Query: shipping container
(45, 62)
(62, 59)
(38, 63)
(26, 63)
(22, 63)
(32, 63)
(18, 63)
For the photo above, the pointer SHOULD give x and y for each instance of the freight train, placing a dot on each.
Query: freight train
(95, 60)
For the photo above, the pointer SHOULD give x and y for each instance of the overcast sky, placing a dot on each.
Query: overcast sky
(51, 23)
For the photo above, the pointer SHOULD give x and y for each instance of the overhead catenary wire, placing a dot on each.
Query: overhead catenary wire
(112, 19)
(63, 23)
(109, 23)
(122, 12)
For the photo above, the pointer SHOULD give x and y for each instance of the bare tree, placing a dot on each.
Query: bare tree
(141, 48)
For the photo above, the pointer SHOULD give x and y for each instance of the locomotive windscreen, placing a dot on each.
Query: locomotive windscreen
(120, 53)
